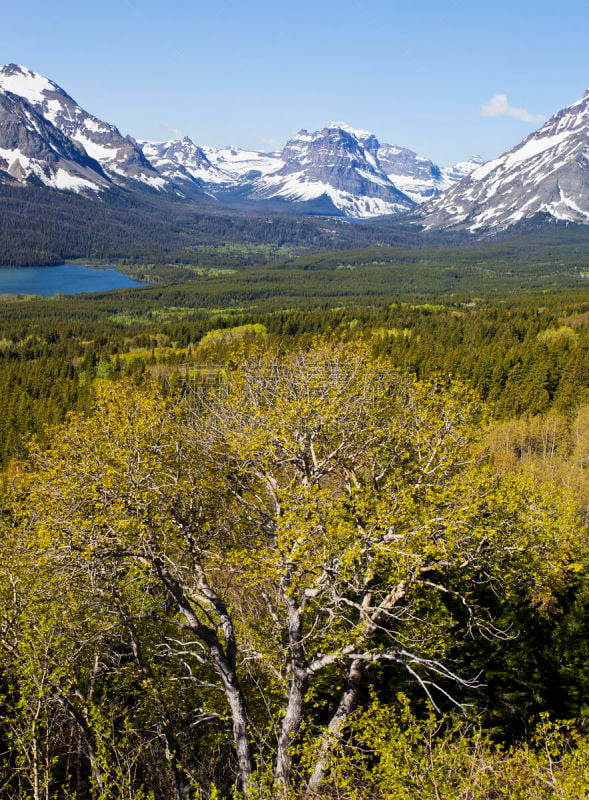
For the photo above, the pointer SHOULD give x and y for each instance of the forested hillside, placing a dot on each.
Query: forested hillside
(41, 226)
(522, 356)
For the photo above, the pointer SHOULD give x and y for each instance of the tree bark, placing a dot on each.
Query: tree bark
(335, 729)
(291, 725)
(224, 662)
(240, 736)
(299, 683)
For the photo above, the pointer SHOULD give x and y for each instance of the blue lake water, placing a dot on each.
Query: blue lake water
(65, 279)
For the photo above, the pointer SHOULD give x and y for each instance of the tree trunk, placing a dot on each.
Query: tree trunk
(240, 737)
(335, 729)
(224, 662)
(35, 759)
(293, 717)
(290, 726)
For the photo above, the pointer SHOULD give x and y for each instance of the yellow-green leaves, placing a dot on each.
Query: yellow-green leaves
(317, 517)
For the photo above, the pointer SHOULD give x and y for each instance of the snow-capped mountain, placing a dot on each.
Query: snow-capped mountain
(338, 169)
(32, 149)
(333, 170)
(120, 156)
(180, 160)
(547, 173)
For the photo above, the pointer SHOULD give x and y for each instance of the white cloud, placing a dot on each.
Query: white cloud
(176, 132)
(498, 106)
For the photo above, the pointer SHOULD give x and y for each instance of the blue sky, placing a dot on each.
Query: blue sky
(251, 73)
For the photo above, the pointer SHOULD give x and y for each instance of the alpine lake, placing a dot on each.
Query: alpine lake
(62, 279)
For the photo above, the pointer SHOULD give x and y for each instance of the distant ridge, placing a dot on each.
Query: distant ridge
(49, 139)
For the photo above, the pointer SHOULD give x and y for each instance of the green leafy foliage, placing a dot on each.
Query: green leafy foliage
(206, 590)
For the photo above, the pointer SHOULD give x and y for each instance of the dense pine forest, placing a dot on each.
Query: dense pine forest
(296, 525)
(40, 226)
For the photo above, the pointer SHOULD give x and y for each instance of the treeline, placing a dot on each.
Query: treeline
(524, 357)
(43, 226)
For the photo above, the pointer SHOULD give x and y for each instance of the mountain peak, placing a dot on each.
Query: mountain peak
(333, 170)
(357, 132)
(17, 69)
(26, 83)
(13, 69)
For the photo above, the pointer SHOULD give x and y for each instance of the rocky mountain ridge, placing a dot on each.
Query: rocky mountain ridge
(336, 170)
(547, 174)
(33, 150)
(119, 156)
(45, 136)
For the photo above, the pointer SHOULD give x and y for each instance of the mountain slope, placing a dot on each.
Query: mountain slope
(33, 150)
(120, 156)
(546, 174)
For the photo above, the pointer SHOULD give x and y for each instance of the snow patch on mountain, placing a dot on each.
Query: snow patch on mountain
(239, 163)
(547, 173)
(120, 156)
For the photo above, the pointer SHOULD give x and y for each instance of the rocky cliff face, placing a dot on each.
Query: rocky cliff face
(31, 149)
(120, 156)
(546, 174)
(415, 175)
(337, 166)
(419, 177)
